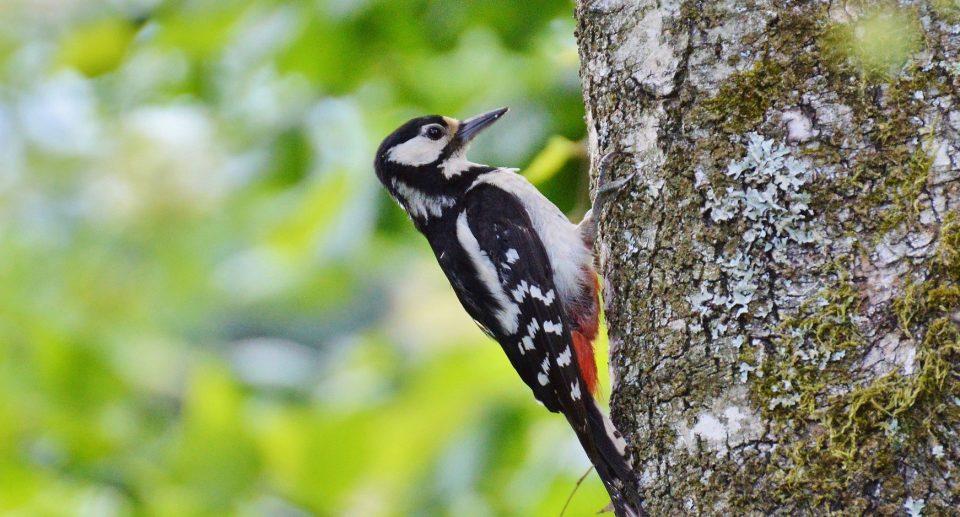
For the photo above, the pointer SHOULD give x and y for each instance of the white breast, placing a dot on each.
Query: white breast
(567, 252)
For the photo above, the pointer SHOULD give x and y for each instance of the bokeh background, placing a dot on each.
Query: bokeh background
(207, 304)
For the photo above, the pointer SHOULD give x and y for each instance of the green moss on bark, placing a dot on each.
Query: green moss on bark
(841, 437)
(841, 443)
(892, 168)
(743, 101)
(852, 441)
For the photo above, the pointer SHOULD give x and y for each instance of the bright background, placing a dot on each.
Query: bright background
(207, 304)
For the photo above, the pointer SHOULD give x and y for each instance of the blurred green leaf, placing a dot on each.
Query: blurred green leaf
(549, 161)
(98, 47)
(208, 306)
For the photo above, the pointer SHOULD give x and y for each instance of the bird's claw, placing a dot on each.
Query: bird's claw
(604, 187)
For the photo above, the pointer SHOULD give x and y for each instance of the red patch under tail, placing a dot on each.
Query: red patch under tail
(583, 335)
(583, 347)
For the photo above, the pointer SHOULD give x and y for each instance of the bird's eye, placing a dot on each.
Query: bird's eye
(434, 133)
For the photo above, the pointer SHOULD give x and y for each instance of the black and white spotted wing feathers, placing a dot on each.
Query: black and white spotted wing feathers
(541, 348)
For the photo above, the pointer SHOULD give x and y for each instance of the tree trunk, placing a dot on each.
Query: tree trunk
(782, 275)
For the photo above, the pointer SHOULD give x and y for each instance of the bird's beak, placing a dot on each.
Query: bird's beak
(470, 127)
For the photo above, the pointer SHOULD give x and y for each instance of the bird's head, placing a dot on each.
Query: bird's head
(427, 151)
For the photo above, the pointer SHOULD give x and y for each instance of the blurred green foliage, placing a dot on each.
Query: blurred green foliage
(207, 305)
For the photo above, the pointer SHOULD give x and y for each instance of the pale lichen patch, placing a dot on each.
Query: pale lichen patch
(914, 507)
(874, 168)
(799, 126)
(764, 201)
(652, 61)
(891, 352)
(728, 422)
(709, 428)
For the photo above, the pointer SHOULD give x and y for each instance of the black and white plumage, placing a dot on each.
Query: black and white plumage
(519, 267)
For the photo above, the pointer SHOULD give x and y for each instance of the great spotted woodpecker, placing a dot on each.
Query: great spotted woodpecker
(520, 268)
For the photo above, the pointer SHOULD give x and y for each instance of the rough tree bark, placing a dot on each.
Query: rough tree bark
(782, 276)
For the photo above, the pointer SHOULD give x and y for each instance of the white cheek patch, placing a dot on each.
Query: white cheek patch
(417, 151)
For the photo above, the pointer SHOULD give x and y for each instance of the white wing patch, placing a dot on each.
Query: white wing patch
(419, 204)
(533, 327)
(543, 376)
(527, 343)
(508, 314)
(417, 151)
(512, 256)
(519, 292)
(556, 328)
(575, 390)
(547, 298)
(564, 358)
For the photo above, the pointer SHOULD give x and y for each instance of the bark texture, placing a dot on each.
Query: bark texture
(783, 273)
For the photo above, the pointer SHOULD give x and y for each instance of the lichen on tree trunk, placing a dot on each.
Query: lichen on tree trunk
(782, 275)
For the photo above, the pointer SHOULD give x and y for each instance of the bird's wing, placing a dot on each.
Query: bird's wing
(531, 326)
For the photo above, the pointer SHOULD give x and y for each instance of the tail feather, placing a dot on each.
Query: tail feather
(606, 449)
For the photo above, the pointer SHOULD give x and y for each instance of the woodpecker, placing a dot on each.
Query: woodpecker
(519, 267)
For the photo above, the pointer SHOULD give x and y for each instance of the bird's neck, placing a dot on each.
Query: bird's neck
(429, 197)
